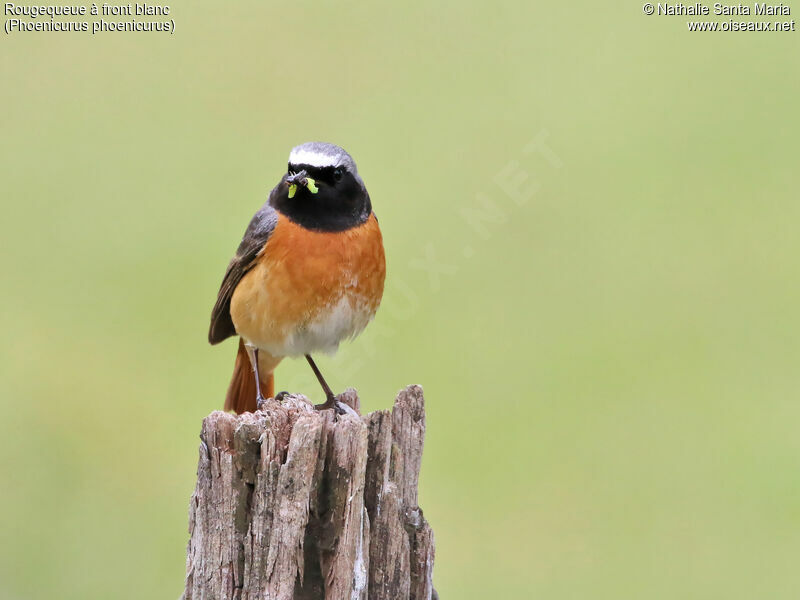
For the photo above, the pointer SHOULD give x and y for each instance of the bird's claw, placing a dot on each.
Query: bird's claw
(339, 407)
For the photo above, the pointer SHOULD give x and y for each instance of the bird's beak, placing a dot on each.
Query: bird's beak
(302, 179)
(297, 178)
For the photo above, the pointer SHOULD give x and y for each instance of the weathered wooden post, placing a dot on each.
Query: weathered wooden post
(292, 503)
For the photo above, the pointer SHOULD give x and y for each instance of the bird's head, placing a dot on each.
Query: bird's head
(322, 189)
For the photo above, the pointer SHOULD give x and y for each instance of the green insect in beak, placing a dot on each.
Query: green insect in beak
(309, 183)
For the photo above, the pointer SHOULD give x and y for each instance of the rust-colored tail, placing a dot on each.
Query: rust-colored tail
(241, 396)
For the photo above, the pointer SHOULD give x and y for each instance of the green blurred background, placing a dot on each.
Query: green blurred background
(607, 330)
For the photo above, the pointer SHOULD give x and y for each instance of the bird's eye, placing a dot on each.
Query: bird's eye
(338, 173)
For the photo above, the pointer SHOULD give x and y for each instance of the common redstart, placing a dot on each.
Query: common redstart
(308, 273)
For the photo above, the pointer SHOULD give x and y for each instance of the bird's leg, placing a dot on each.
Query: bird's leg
(252, 352)
(330, 401)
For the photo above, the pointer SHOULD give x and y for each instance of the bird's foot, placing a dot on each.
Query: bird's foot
(260, 401)
(340, 408)
(329, 403)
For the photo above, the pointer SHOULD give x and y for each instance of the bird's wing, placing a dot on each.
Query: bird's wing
(258, 231)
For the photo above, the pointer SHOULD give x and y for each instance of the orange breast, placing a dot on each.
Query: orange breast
(310, 290)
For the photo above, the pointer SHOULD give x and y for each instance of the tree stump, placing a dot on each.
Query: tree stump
(294, 503)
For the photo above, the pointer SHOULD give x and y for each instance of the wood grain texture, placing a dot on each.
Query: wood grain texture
(292, 503)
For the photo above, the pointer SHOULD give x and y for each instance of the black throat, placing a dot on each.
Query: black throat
(338, 205)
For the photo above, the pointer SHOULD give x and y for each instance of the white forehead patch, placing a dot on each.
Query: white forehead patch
(304, 156)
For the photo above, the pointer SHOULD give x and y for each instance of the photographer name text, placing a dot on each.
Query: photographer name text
(699, 9)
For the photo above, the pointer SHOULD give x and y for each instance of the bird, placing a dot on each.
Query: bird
(308, 274)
